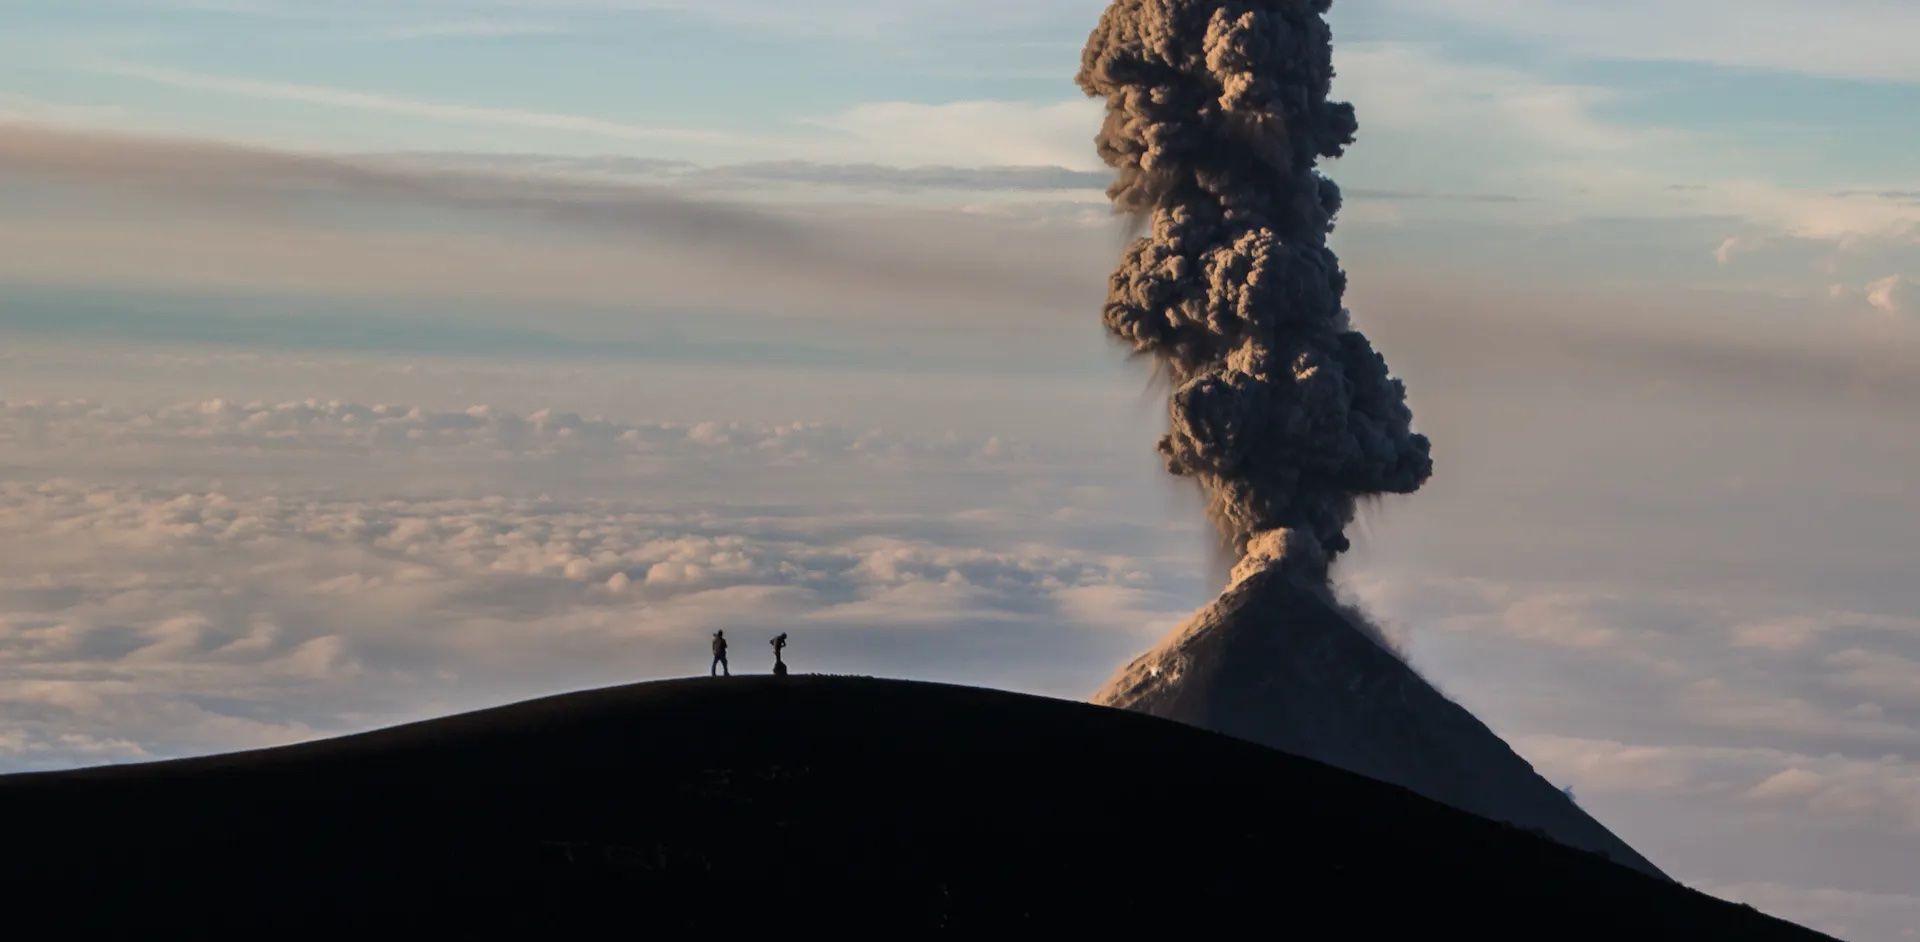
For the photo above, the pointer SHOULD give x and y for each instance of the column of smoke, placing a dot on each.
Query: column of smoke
(1217, 113)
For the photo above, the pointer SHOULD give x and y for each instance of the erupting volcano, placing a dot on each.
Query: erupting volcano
(1283, 413)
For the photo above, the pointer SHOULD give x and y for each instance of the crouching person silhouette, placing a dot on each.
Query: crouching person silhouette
(779, 646)
(719, 656)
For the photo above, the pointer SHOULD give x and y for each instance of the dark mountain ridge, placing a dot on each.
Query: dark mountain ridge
(800, 803)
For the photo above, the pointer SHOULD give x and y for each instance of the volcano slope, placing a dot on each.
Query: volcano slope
(1277, 662)
(803, 802)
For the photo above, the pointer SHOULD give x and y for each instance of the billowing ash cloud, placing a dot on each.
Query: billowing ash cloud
(1217, 112)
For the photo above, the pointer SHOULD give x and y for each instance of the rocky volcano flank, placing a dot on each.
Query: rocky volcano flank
(1275, 661)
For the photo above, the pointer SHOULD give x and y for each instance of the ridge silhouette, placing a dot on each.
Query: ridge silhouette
(767, 804)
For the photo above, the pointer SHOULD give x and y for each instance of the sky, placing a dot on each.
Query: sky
(361, 362)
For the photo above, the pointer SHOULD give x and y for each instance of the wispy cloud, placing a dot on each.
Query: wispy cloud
(871, 20)
(473, 29)
(1483, 128)
(1861, 39)
(221, 174)
(809, 173)
(1503, 127)
(28, 108)
(1416, 196)
(231, 216)
(328, 96)
(972, 132)
(969, 133)
(1857, 792)
(208, 216)
(1846, 914)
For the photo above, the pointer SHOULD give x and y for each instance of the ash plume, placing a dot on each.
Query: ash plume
(1286, 416)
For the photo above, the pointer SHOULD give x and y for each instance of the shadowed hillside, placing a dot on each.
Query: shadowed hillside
(813, 803)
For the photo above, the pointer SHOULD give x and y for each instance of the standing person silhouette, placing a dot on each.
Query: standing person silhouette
(779, 645)
(719, 655)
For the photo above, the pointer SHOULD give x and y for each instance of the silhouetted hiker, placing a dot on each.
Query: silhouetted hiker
(779, 645)
(719, 655)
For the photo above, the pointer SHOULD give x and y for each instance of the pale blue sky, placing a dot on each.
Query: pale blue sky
(1773, 122)
(366, 360)
(718, 78)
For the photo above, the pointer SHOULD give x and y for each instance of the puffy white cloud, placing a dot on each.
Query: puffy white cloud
(1574, 617)
(1810, 714)
(1854, 792)
(1784, 633)
(1891, 295)
(1792, 784)
(189, 620)
(1490, 128)
(1534, 659)
(1877, 673)
(224, 573)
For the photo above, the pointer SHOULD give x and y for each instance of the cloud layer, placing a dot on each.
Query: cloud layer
(204, 216)
(153, 620)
